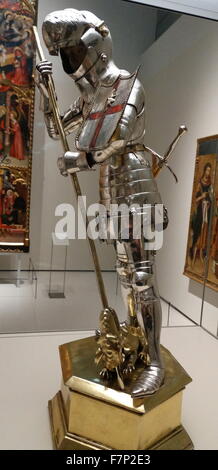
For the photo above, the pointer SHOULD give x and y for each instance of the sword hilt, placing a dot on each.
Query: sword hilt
(182, 130)
(158, 165)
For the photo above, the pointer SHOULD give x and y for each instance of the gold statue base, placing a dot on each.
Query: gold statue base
(91, 414)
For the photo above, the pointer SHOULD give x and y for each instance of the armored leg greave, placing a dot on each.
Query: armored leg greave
(136, 270)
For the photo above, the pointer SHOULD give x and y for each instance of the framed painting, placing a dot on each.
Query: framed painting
(202, 246)
(17, 91)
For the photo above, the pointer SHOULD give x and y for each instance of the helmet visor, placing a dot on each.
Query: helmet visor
(72, 57)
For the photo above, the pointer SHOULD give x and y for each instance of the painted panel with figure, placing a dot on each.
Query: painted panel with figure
(17, 56)
(203, 228)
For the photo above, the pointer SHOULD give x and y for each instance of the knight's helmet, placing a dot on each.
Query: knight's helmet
(82, 39)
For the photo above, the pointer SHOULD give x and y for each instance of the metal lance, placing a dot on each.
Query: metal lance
(74, 178)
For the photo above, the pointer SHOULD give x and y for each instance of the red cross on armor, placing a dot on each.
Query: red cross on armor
(102, 114)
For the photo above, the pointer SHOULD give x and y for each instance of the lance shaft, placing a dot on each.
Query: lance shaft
(74, 178)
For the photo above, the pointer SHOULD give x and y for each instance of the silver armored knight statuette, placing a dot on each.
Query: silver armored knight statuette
(110, 118)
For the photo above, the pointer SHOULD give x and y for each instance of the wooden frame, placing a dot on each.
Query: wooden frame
(202, 246)
(17, 93)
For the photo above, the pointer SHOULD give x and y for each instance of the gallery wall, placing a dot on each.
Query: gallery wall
(180, 73)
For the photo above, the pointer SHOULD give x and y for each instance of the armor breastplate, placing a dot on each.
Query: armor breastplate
(103, 118)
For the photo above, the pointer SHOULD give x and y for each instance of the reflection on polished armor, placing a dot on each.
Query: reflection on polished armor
(110, 118)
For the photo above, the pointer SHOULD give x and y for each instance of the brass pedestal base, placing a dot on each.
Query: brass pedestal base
(178, 439)
(91, 414)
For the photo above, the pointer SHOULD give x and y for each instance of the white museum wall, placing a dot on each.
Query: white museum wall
(179, 72)
(49, 188)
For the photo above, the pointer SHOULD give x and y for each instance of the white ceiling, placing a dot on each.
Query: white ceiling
(204, 8)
